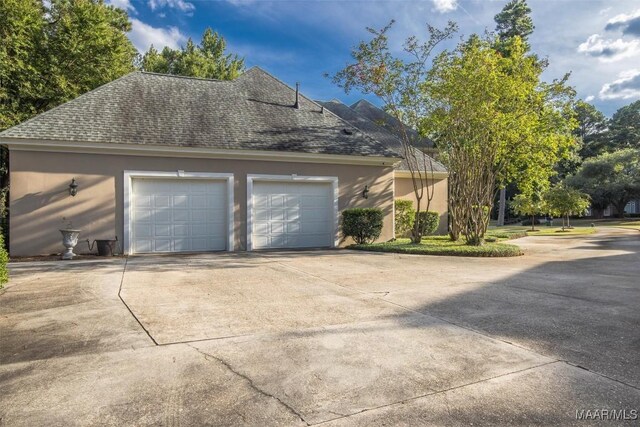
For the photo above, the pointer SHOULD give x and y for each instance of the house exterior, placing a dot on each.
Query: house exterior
(172, 164)
(384, 128)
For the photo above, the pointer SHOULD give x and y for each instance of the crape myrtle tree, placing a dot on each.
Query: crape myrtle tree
(396, 80)
(609, 179)
(206, 60)
(564, 201)
(495, 121)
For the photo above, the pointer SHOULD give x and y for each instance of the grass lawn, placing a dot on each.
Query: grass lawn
(442, 245)
(543, 230)
(631, 223)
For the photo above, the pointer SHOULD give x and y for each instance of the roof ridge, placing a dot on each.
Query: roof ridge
(178, 76)
(90, 92)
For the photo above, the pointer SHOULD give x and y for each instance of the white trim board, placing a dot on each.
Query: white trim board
(333, 180)
(192, 152)
(130, 175)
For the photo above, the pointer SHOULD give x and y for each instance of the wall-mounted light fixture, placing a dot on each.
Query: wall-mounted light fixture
(365, 192)
(73, 187)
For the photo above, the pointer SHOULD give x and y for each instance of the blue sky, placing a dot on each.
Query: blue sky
(597, 41)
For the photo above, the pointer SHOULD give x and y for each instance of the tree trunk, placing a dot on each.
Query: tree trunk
(502, 206)
(416, 235)
(533, 223)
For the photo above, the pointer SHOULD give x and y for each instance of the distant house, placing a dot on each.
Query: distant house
(385, 128)
(173, 164)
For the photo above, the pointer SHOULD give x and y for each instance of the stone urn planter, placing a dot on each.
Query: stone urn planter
(69, 240)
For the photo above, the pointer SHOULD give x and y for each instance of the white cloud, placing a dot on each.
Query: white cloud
(122, 4)
(589, 98)
(623, 18)
(608, 50)
(182, 5)
(604, 11)
(627, 86)
(444, 6)
(143, 35)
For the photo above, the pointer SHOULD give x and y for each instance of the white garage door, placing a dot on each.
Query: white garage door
(292, 215)
(178, 215)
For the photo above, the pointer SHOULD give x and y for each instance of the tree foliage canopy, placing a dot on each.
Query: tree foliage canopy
(610, 178)
(563, 201)
(529, 204)
(52, 52)
(495, 122)
(514, 20)
(396, 80)
(624, 127)
(206, 60)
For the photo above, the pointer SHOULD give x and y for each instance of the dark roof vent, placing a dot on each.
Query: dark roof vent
(297, 104)
(347, 131)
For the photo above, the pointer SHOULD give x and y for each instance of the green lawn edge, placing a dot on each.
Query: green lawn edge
(442, 246)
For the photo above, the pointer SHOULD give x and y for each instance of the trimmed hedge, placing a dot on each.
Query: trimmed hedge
(405, 215)
(363, 225)
(429, 222)
(4, 259)
(441, 245)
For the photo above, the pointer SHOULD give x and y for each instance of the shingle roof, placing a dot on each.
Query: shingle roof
(253, 112)
(378, 132)
(386, 120)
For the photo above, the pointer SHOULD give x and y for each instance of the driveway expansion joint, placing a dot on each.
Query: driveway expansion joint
(437, 392)
(251, 383)
(124, 270)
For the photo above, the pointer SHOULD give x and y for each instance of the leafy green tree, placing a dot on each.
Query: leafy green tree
(396, 80)
(609, 179)
(52, 52)
(592, 129)
(495, 122)
(529, 204)
(624, 127)
(564, 201)
(206, 60)
(513, 21)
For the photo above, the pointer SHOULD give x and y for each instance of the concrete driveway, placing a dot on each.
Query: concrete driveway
(335, 337)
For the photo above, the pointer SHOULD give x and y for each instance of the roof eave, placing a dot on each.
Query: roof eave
(25, 144)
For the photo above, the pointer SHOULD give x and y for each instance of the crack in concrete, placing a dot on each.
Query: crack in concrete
(124, 269)
(435, 393)
(250, 382)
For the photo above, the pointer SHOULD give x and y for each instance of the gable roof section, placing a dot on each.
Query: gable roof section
(386, 120)
(253, 112)
(380, 133)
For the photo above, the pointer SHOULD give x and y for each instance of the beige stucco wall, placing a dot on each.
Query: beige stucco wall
(439, 203)
(40, 202)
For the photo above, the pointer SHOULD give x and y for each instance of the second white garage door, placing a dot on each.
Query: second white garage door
(179, 215)
(292, 215)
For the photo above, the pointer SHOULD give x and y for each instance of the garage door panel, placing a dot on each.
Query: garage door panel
(179, 215)
(160, 245)
(160, 215)
(292, 215)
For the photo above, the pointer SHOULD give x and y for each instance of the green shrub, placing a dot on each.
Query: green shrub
(363, 225)
(429, 222)
(404, 217)
(4, 259)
